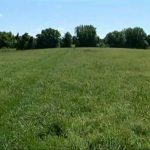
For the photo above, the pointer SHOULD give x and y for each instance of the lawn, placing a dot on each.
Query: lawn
(88, 99)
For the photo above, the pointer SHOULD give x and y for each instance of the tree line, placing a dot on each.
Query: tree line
(85, 36)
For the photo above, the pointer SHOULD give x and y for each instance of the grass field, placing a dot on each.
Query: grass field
(88, 99)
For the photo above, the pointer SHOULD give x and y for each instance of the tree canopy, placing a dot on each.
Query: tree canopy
(25, 42)
(7, 39)
(135, 38)
(66, 40)
(85, 36)
(115, 39)
(128, 38)
(49, 38)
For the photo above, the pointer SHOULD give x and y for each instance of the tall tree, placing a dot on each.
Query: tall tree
(49, 38)
(136, 38)
(86, 36)
(148, 39)
(115, 39)
(67, 40)
(75, 41)
(25, 42)
(7, 39)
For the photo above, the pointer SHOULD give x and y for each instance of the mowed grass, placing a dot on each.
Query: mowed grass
(88, 99)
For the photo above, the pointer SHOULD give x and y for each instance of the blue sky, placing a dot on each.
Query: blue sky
(106, 15)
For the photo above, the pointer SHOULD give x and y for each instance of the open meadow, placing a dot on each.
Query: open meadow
(75, 99)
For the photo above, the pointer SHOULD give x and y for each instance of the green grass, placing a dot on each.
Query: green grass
(88, 99)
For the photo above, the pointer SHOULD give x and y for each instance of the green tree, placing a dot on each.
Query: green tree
(7, 39)
(49, 38)
(74, 40)
(67, 40)
(115, 39)
(148, 39)
(100, 42)
(86, 36)
(136, 38)
(25, 42)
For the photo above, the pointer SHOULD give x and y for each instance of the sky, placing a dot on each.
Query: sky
(20, 16)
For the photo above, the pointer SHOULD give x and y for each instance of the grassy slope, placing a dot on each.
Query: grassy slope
(75, 99)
